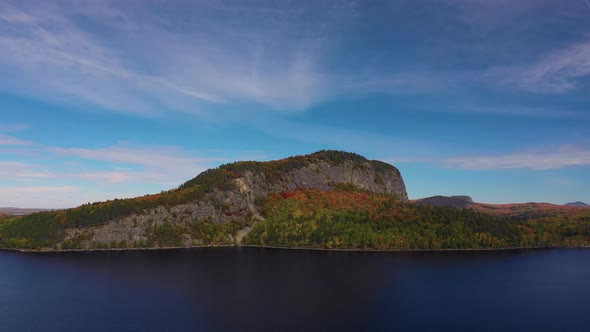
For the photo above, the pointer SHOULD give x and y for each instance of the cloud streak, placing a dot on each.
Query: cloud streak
(166, 166)
(9, 140)
(127, 57)
(558, 71)
(148, 62)
(37, 190)
(53, 197)
(163, 165)
(528, 112)
(564, 156)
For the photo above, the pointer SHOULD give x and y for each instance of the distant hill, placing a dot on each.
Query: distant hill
(459, 202)
(515, 211)
(18, 211)
(577, 204)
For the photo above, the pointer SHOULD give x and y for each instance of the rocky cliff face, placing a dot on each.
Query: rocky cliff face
(237, 201)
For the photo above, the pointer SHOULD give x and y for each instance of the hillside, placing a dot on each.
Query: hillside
(356, 219)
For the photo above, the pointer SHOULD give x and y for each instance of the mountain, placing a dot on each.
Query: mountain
(577, 204)
(459, 202)
(327, 199)
(227, 198)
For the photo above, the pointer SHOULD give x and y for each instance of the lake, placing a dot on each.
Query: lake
(247, 289)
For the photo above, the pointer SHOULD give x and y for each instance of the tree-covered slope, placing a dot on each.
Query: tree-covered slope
(358, 220)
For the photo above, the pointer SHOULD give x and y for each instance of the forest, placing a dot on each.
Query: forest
(356, 220)
(345, 218)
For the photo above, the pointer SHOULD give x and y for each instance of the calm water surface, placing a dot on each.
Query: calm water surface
(218, 289)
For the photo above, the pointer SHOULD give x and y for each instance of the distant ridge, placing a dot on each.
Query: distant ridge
(460, 202)
(577, 204)
(18, 211)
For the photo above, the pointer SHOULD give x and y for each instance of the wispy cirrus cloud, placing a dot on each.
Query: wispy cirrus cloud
(97, 174)
(122, 163)
(37, 190)
(19, 170)
(564, 156)
(558, 71)
(50, 56)
(10, 140)
(128, 57)
(139, 61)
(163, 165)
(528, 112)
(38, 196)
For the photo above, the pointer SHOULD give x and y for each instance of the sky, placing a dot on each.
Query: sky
(114, 99)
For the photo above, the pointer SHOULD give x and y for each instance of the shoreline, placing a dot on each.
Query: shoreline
(46, 250)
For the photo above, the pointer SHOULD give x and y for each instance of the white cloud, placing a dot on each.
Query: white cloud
(564, 156)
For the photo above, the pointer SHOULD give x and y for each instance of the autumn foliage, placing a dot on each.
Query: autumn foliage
(351, 219)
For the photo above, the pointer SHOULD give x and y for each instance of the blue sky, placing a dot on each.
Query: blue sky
(104, 99)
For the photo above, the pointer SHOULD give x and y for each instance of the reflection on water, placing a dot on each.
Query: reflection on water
(215, 289)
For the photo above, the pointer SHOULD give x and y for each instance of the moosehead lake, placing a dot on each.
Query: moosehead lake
(247, 289)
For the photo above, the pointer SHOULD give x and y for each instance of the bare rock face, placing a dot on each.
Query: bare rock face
(323, 176)
(238, 203)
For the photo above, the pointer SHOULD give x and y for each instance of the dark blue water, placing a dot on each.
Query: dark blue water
(218, 289)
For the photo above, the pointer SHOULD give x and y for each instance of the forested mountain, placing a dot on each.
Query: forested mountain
(328, 199)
